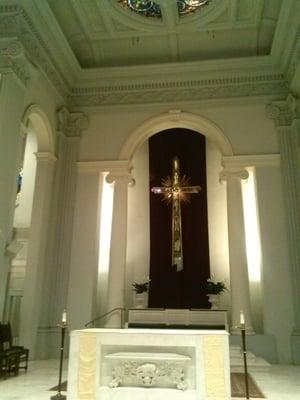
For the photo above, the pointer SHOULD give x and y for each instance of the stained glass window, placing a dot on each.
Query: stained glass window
(190, 6)
(144, 7)
(149, 8)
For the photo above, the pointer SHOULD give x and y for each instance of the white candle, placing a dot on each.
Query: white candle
(64, 317)
(242, 318)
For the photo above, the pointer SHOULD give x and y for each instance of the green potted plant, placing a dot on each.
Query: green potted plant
(141, 290)
(213, 290)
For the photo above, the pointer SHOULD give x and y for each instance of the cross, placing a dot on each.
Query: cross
(176, 189)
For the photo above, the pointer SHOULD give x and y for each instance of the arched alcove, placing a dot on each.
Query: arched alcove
(135, 149)
(175, 119)
(35, 118)
(36, 128)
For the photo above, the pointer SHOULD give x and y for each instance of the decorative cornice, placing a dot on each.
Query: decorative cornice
(118, 170)
(180, 90)
(71, 124)
(112, 166)
(229, 174)
(255, 160)
(294, 57)
(283, 112)
(15, 22)
(13, 59)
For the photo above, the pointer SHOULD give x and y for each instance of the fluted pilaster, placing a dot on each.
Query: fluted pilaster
(286, 117)
(70, 129)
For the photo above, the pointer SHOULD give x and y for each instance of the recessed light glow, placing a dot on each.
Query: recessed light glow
(253, 245)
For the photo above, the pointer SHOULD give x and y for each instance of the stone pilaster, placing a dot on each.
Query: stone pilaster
(239, 279)
(14, 74)
(70, 129)
(117, 264)
(286, 117)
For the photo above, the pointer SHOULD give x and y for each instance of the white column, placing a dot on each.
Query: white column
(13, 77)
(37, 251)
(239, 280)
(117, 265)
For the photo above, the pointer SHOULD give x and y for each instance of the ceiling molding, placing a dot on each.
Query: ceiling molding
(15, 22)
(176, 91)
(36, 27)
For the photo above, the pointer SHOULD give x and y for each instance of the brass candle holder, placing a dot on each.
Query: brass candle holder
(63, 326)
(244, 350)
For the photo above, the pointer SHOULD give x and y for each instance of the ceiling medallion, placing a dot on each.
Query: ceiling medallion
(149, 8)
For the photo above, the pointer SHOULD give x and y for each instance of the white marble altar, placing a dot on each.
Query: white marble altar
(148, 364)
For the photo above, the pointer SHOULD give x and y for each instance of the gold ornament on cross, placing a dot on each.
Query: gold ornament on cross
(176, 190)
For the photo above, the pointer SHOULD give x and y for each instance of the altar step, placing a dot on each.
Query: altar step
(254, 363)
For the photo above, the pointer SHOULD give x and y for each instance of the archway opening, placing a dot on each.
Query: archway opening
(138, 248)
(36, 138)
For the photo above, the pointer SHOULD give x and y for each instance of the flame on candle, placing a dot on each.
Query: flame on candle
(64, 317)
(242, 318)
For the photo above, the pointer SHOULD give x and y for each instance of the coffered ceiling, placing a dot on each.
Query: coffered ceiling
(97, 52)
(102, 33)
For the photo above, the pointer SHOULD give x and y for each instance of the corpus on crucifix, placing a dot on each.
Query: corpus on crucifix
(175, 190)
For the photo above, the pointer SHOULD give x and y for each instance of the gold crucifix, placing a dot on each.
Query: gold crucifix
(176, 190)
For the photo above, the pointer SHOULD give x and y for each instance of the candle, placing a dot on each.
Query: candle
(64, 317)
(242, 318)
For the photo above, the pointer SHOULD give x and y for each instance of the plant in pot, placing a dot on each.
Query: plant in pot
(213, 290)
(141, 293)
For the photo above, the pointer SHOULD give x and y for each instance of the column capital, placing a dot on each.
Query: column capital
(124, 177)
(45, 156)
(13, 60)
(284, 112)
(71, 124)
(228, 174)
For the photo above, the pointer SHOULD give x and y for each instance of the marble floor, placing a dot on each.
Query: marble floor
(280, 383)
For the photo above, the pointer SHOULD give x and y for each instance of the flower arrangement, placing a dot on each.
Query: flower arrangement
(141, 287)
(214, 287)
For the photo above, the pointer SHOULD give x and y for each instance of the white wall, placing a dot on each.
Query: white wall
(217, 221)
(245, 125)
(138, 228)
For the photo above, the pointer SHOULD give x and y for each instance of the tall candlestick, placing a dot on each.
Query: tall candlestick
(243, 332)
(63, 326)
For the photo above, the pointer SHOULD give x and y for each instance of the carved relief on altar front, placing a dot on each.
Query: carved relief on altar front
(149, 374)
(148, 370)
